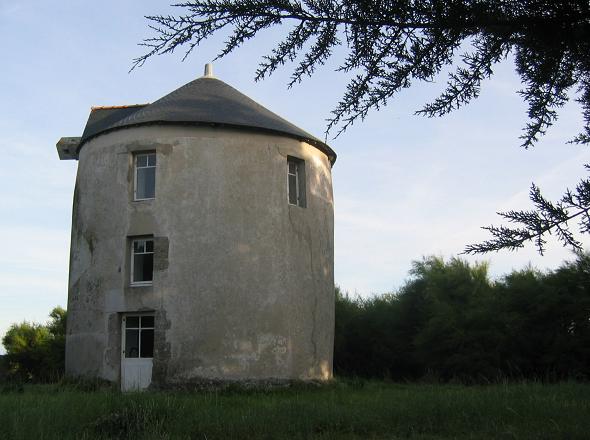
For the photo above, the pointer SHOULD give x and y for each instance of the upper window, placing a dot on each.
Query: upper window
(142, 261)
(145, 176)
(296, 181)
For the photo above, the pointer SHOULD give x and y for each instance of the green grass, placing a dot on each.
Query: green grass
(343, 410)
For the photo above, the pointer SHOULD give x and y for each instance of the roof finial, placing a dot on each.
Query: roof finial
(208, 71)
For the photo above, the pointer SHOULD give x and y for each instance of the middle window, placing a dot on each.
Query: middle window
(142, 261)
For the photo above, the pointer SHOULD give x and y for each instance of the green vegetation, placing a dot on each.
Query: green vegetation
(342, 410)
(35, 352)
(449, 321)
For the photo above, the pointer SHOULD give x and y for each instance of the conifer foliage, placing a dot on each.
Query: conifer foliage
(391, 44)
(547, 218)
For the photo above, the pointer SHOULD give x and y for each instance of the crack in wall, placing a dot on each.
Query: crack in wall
(315, 302)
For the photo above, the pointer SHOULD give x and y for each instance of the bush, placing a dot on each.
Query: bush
(35, 352)
(450, 322)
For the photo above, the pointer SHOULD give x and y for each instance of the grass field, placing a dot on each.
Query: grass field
(343, 410)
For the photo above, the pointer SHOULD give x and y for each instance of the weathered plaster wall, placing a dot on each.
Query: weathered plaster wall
(243, 282)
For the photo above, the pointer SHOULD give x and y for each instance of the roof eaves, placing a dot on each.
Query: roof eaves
(116, 107)
(323, 147)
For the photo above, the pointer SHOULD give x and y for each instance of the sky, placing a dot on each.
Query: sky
(404, 186)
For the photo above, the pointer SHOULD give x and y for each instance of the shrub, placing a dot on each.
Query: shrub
(36, 352)
(450, 322)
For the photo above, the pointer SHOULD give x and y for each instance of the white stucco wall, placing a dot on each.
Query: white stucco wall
(243, 284)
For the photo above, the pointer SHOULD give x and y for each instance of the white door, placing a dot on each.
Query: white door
(137, 351)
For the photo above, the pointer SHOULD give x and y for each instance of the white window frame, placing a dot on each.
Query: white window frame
(132, 261)
(299, 163)
(136, 156)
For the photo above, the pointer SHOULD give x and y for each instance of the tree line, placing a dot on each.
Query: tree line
(449, 321)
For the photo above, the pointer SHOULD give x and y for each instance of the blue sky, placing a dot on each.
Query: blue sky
(404, 186)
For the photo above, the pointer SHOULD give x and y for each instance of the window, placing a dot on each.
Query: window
(142, 261)
(145, 176)
(296, 181)
(139, 336)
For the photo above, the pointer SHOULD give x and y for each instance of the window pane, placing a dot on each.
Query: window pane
(132, 322)
(292, 190)
(147, 343)
(148, 267)
(132, 343)
(141, 160)
(149, 245)
(138, 267)
(146, 183)
(139, 246)
(147, 321)
(143, 267)
(292, 167)
(150, 182)
(151, 160)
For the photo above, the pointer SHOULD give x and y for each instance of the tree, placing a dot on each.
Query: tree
(36, 352)
(56, 353)
(458, 326)
(450, 321)
(392, 43)
(26, 349)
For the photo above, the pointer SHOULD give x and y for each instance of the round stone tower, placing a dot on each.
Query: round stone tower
(202, 243)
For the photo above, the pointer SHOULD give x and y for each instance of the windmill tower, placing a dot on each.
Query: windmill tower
(202, 243)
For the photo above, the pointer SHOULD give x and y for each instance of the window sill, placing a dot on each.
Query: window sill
(141, 284)
(144, 200)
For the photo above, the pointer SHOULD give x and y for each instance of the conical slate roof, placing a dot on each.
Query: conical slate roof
(204, 101)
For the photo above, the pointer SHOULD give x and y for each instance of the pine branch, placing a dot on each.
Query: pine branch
(546, 219)
(464, 83)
